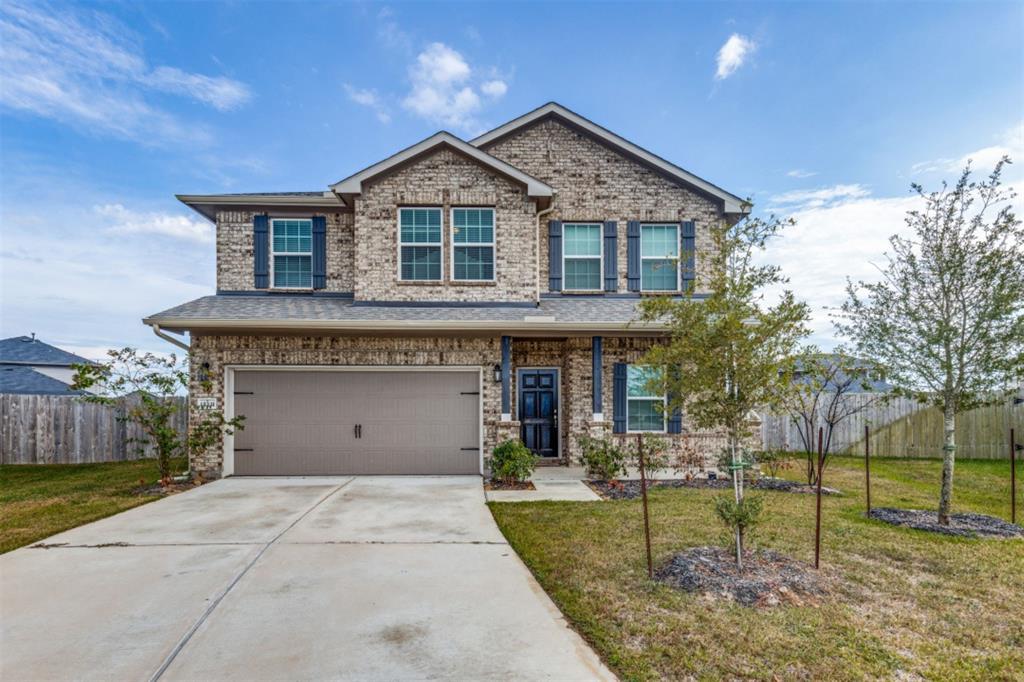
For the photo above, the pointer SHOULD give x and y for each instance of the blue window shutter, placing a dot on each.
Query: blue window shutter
(555, 255)
(689, 255)
(319, 252)
(619, 397)
(675, 418)
(633, 255)
(611, 256)
(261, 251)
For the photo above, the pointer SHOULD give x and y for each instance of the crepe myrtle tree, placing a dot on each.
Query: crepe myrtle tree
(827, 390)
(731, 352)
(946, 318)
(143, 386)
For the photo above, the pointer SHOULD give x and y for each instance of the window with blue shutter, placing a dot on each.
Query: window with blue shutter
(689, 255)
(555, 255)
(633, 255)
(611, 256)
(291, 253)
(319, 252)
(261, 251)
(619, 397)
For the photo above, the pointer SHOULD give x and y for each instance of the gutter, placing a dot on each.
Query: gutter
(540, 323)
(168, 338)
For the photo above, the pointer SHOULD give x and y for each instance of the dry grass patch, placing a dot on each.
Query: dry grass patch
(903, 603)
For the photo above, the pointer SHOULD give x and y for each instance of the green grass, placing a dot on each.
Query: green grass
(905, 604)
(37, 501)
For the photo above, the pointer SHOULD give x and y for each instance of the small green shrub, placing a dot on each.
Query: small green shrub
(603, 458)
(773, 461)
(512, 462)
(742, 515)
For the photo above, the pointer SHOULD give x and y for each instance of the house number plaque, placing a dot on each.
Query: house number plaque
(206, 403)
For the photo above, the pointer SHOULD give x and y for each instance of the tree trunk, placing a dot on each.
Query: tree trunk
(737, 486)
(948, 459)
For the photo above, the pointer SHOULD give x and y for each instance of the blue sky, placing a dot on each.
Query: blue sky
(825, 111)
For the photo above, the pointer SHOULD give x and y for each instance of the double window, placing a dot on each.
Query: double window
(645, 409)
(473, 244)
(659, 257)
(581, 254)
(292, 253)
(419, 244)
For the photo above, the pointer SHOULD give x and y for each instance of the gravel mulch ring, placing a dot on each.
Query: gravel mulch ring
(960, 525)
(629, 490)
(768, 578)
(170, 489)
(501, 485)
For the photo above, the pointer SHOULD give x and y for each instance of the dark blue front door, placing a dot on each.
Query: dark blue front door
(538, 410)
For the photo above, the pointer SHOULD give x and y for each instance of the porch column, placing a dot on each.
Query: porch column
(506, 378)
(595, 373)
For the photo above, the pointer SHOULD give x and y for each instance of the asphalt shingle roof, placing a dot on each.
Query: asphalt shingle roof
(234, 308)
(24, 350)
(25, 380)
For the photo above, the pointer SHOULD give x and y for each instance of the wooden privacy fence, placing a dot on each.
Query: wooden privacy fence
(983, 433)
(57, 429)
(780, 433)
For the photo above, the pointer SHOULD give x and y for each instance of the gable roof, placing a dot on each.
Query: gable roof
(25, 350)
(26, 381)
(353, 184)
(731, 203)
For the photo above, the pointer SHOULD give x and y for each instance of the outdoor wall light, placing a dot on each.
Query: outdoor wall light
(497, 374)
(204, 373)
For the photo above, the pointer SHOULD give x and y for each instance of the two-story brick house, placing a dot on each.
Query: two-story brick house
(456, 294)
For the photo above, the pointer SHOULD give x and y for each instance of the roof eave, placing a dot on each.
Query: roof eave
(207, 205)
(188, 324)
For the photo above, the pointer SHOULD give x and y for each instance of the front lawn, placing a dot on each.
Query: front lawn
(37, 501)
(904, 604)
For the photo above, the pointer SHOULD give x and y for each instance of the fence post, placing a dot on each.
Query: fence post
(643, 493)
(817, 519)
(867, 466)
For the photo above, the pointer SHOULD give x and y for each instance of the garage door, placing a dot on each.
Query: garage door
(357, 422)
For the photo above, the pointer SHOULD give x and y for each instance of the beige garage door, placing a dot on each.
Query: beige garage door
(357, 422)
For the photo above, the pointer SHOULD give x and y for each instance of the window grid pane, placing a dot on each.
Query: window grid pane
(659, 241)
(642, 381)
(658, 275)
(581, 239)
(474, 262)
(421, 262)
(659, 253)
(293, 271)
(473, 225)
(645, 415)
(420, 225)
(293, 236)
(582, 273)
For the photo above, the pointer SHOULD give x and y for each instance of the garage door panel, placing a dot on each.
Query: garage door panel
(302, 422)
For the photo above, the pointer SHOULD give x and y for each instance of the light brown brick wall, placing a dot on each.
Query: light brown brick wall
(235, 251)
(595, 183)
(444, 178)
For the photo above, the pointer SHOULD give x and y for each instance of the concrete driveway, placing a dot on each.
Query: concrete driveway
(287, 578)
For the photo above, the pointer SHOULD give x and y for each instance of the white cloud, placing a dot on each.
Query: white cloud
(495, 88)
(371, 100)
(814, 198)
(443, 91)
(733, 54)
(87, 70)
(800, 173)
(120, 220)
(1009, 143)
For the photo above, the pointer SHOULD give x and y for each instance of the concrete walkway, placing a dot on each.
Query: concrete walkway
(283, 579)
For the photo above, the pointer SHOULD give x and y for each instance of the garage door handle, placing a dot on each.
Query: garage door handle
(469, 448)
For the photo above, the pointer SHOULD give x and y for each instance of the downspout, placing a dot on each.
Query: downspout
(170, 339)
(541, 214)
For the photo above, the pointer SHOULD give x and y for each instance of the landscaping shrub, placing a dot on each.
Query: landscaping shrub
(742, 515)
(773, 461)
(603, 458)
(512, 462)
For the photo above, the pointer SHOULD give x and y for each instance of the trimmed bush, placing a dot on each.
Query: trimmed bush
(603, 458)
(512, 462)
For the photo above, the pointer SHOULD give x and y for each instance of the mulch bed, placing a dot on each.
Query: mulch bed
(170, 489)
(961, 525)
(493, 484)
(768, 578)
(629, 490)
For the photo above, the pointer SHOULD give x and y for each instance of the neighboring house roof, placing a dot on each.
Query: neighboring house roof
(869, 379)
(26, 350)
(25, 380)
(207, 205)
(353, 185)
(731, 203)
(325, 312)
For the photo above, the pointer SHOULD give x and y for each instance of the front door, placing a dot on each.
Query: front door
(538, 410)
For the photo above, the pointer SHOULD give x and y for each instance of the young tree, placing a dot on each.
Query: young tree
(730, 353)
(947, 317)
(144, 386)
(828, 389)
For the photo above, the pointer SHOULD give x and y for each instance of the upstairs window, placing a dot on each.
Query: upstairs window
(581, 253)
(419, 244)
(644, 411)
(659, 257)
(473, 244)
(292, 254)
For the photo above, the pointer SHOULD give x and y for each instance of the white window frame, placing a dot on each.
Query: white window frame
(399, 243)
(273, 254)
(646, 398)
(492, 243)
(678, 258)
(600, 256)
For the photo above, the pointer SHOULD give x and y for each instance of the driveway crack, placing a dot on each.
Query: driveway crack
(183, 642)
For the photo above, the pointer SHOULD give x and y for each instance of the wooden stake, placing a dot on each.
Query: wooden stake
(1013, 478)
(643, 493)
(817, 519)
(867, 466)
